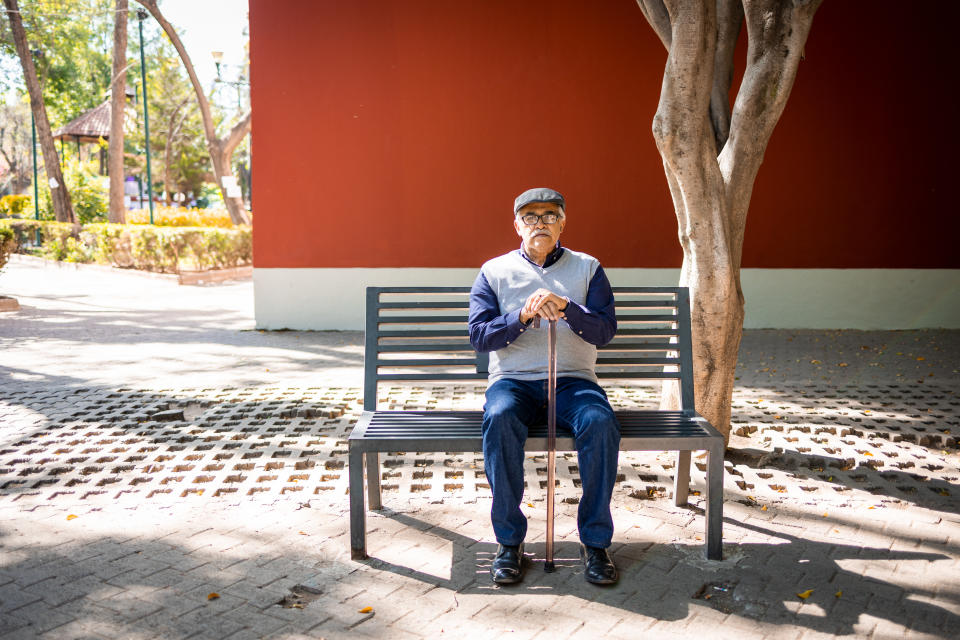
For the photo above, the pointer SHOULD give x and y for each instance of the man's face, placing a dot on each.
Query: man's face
(540, 237)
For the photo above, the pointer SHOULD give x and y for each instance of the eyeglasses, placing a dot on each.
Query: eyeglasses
(531, 219)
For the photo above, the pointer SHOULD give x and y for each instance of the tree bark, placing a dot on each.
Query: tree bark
(62, 207)
(118, 104)
(711, 156)
(217, 147)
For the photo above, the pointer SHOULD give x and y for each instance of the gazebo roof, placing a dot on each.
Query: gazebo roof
(89, 127)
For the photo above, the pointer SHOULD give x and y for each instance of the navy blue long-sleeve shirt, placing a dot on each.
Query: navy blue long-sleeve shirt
(490, 330)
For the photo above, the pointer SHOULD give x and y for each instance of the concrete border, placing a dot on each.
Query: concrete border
(776, 298)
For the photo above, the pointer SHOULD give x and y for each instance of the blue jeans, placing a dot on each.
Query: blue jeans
(583, 409)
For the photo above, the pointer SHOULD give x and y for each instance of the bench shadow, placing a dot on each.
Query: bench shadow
(667, 582)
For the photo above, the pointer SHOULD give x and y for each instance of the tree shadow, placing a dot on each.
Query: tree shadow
(759, 581)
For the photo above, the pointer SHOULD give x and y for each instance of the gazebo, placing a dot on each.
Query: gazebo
(89, 128)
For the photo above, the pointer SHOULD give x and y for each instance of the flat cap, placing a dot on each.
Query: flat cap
(540, 194)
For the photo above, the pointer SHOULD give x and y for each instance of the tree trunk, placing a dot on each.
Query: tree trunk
(62, 208)
(711, 157)
(173, 127)
(217, 147)
(118, 103)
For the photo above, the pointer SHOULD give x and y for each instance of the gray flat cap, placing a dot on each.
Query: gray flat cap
(540, 194)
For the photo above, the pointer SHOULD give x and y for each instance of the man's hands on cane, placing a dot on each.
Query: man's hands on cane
(543, 303)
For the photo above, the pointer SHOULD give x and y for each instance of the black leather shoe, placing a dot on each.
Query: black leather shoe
(507, 567)
(597, 565)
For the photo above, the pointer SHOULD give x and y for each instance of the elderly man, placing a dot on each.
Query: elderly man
(543, 279)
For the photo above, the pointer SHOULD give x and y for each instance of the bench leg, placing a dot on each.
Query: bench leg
(681, 478)
(358, 516)
(373, 480)
(714, 534)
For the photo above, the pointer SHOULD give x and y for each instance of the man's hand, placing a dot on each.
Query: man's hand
(543, 303)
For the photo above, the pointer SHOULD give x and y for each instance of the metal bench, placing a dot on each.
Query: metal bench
(420, 334)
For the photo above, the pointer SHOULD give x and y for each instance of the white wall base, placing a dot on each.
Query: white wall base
(776, 298)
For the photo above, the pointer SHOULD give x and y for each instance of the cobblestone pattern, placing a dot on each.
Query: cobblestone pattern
(829, 503)
(806, 443)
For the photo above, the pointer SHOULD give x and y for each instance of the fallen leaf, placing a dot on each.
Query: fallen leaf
(815, 362)
(921, 358)
(825, 514)
(72, 517)
(838, 594)
(867, 453)
(296, 605)
(303, 533)
(213, 596)
(530, 504)
(365, 610)
(803, 595)
(843, 364)
(763, 508)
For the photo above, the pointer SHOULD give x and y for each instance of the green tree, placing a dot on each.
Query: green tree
(14, 26)
(15, 140)
(75, 38)
(177, 141)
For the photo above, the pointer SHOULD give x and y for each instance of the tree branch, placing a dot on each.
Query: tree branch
(729, 20)
(655, 11)
(777, 33)
(235, 136)
(151, 6)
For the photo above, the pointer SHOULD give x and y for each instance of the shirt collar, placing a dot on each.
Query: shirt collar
(552, 257)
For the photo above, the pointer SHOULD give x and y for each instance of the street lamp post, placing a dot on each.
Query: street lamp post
(141, 16)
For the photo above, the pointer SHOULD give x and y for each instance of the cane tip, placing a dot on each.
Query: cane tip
(549, 567)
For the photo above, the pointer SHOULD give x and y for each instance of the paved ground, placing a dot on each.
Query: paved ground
(167, 472)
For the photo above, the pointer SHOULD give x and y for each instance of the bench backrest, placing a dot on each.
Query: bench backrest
(421, 334)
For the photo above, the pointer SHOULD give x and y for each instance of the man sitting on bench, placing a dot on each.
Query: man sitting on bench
(546, 280)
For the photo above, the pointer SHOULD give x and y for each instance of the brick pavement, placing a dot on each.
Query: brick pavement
(125, 505)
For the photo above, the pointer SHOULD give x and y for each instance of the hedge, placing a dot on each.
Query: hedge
(7, 245)
(164, 249)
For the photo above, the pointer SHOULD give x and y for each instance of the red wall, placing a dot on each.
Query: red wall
(393, 133)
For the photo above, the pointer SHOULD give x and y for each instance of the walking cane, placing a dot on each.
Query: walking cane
(548, 566)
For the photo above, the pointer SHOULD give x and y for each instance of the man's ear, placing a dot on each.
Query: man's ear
(516, 226)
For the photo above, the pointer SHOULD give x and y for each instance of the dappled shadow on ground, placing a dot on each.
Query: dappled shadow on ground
(110, 326)
(759, 581)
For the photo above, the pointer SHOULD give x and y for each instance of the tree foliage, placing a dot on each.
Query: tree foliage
(75, 41)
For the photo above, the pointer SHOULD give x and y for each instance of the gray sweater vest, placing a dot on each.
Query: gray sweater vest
(513, 278)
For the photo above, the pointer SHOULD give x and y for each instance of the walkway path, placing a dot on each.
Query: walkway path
(168, 472)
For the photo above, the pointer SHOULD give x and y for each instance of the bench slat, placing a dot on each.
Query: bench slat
(421, 319)
(413, 348)
(425, 305)
(424, 362)
(638, 361)
(429, 333)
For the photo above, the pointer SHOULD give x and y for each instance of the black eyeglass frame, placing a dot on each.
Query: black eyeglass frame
(540, 218)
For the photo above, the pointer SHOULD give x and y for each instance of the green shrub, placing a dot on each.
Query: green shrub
(8, 245)
(164, 249)
(15, 204)
(89, 192)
